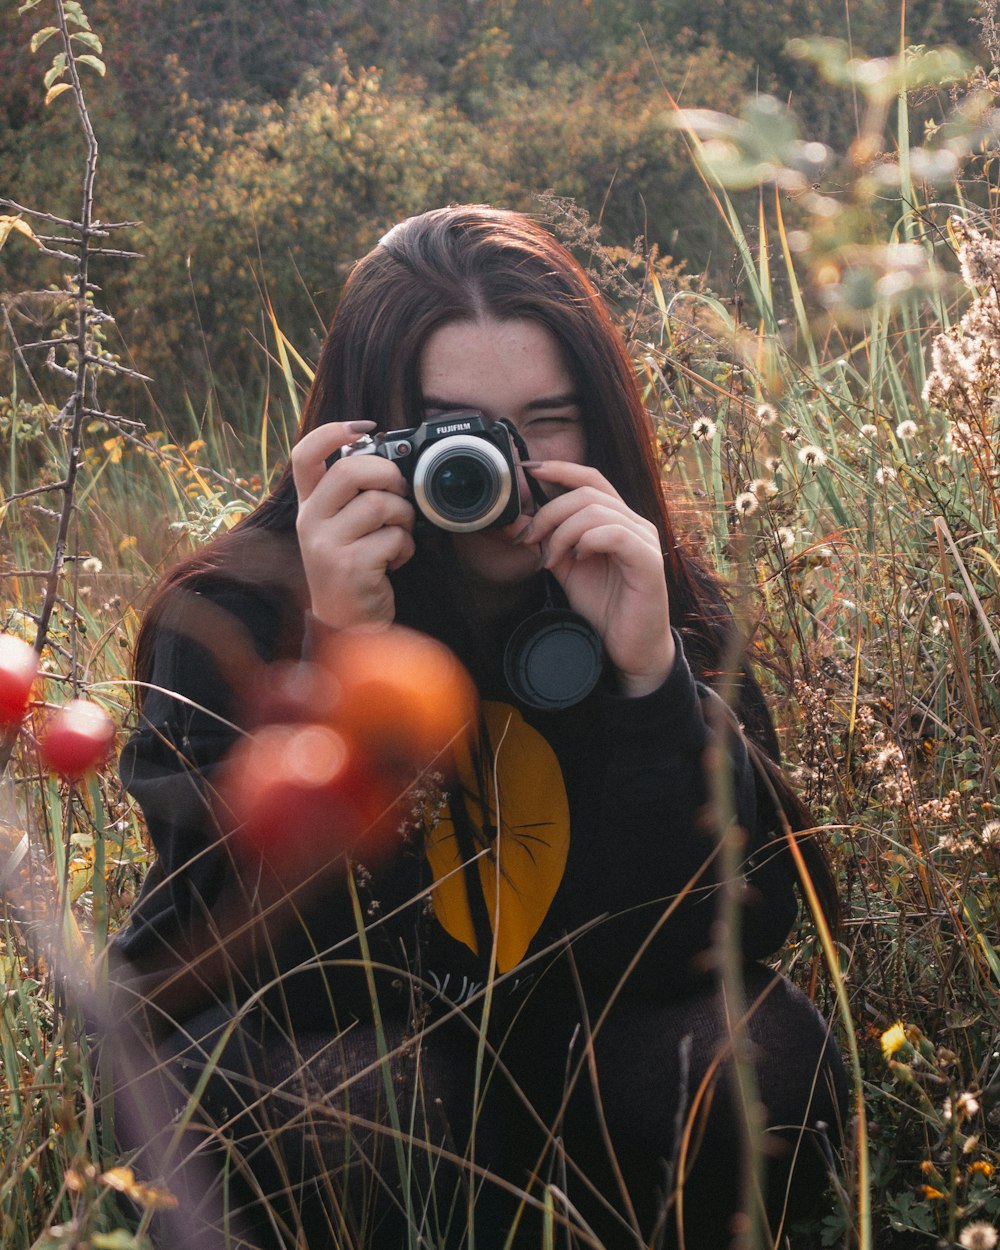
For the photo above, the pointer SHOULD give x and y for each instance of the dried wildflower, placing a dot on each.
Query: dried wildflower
(762, 488)
(978, 256)
(785, 537)
(773, 464)
(703, 428)
(978, 1236)
(906, 430)
(966, 1106)
(991, 833)
(123, 1180)
(812, 456)
(746, 504)
(889, 757)
(885, 473)
(893, 1040)
(868, 430)
(961, 438)
(955, 844)
(767, 414)
(92, 565)
(790, 433)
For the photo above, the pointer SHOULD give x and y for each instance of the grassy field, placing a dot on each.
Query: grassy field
(829, 436)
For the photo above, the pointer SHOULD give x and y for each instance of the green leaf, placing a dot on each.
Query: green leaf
(56, 70)
(75, 14)
(28, 4)
(88, 38)
(94, 62)
(40, 36)
(57, 90)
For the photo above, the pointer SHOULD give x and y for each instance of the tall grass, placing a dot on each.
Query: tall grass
(851, 502)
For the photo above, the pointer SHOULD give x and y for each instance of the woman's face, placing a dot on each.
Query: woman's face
(512, 370)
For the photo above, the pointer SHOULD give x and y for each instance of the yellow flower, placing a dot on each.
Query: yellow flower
(893, 1039)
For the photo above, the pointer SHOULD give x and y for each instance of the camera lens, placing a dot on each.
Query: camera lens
(462, 487)
(463, 483)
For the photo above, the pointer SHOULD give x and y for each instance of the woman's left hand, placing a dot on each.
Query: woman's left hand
(608, 561)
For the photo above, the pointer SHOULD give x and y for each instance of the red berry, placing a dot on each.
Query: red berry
(18, 666)
(77, 738)
(357, 728)
(300, 795)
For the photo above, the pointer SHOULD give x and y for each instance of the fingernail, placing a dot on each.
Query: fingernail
(532, 464)
(525, 534)
(361, 427)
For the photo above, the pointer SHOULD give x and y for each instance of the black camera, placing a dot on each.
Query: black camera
(461, 469)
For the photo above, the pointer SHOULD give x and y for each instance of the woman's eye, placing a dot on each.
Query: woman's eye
(546, 422)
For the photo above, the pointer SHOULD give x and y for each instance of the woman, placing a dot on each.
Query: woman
(519, 1010)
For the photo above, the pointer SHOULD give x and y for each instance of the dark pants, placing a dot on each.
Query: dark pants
(348, 1139)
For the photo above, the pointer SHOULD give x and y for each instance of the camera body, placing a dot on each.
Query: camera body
(461, 469)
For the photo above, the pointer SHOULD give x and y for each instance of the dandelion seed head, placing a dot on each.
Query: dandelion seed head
(767, 414)
(773, 464)
(790, 433)
(868, 430)
(966, 1106)
(906, 430)
(92, 565)
(746, 503)
(978, 1236)
(762, 488)
(991, 833)
(884, 474)
(785, 537)
(812, 456)
(703, 428)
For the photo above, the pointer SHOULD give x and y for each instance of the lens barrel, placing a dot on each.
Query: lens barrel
(463, 483)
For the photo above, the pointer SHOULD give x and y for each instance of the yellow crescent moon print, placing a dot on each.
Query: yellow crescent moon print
(527, 804)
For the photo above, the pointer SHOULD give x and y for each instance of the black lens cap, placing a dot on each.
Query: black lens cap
(553, 659)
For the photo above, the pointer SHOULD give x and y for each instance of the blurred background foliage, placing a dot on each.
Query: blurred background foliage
(268, 144)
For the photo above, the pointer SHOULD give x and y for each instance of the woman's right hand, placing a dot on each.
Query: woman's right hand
(355, 525)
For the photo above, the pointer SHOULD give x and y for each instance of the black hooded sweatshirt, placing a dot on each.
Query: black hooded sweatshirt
(608, 852)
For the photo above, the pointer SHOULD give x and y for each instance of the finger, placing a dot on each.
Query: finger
(384, 549)
(627, 548)
(582, 506)
(569, 475)
(369, 511)
(347, 479)
(310, 453)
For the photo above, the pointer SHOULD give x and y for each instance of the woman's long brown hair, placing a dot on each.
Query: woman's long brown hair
(460, 264)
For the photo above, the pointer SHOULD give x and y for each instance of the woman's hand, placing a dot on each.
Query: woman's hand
(608, 560)
(355, 524)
